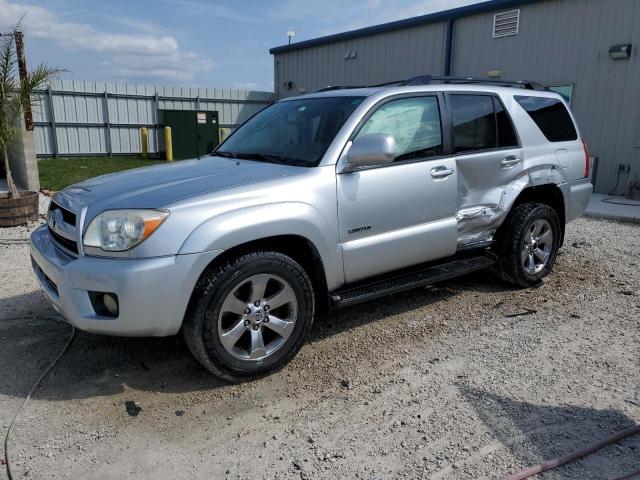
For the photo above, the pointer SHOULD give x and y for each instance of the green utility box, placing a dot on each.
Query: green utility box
(194, 132)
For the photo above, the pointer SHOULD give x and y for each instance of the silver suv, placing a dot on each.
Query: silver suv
(317, 202)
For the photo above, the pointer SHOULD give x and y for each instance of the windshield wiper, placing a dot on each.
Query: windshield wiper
(263, 157)
(224, 154)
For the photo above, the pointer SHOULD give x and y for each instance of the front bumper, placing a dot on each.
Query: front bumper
(153, 293)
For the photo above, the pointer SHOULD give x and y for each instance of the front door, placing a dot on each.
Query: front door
(403, 213)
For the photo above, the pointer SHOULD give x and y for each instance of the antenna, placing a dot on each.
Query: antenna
(290, 34)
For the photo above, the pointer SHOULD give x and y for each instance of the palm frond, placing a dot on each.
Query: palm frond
(14, 93)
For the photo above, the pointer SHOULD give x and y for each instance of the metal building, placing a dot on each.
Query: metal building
(587, 50)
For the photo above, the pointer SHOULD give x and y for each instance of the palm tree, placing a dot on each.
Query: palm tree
(14, 95)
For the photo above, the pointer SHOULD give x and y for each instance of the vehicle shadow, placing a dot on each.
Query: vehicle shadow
(96, 365)
(535, 433)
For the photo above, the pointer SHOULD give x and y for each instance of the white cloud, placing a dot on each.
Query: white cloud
(150, 55)
(213, 10)
(245, 85)
(136, 24)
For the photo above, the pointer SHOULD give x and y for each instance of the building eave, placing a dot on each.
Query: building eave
(444, 15)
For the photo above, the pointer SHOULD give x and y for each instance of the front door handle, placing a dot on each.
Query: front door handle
(441, 172)
(510, 161)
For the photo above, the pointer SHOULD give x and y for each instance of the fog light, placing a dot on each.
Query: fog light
(110, 303)
(105, 304)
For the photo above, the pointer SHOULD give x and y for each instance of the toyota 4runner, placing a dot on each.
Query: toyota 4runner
(317, 202)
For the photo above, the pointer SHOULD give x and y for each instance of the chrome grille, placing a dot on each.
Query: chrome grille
(62, 227)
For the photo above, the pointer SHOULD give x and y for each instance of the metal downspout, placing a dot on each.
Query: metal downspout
(448, 47)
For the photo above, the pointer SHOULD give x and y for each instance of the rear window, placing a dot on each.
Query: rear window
(551, 117)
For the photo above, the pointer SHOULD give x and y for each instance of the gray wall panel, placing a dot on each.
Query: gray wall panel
(380, 58)
(567, 41)
(79, 113)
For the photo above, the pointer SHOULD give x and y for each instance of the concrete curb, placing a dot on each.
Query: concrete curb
(617, 218)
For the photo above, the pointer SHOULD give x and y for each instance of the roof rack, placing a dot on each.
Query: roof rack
(431, 79)
(337, 87)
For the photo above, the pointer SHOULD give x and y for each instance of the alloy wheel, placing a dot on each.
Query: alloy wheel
(257, 317)
(536, 246)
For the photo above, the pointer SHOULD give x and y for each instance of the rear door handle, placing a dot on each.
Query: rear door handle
(441, 172)
(510, 161)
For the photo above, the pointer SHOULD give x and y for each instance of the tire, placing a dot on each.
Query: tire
(523, 259)
(230, 309)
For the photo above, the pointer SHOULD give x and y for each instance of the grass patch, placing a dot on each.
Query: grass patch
(58, 173)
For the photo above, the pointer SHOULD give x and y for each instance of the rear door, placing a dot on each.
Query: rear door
(400, 214)
(488, 157)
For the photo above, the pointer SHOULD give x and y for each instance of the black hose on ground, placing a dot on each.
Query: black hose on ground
(13, 241)
(556, 462)
(33, 388)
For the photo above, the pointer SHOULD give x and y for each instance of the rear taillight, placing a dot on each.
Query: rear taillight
(586, 160)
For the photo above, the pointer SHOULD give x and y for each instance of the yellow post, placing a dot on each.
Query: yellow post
(168, 143)
(144, 141)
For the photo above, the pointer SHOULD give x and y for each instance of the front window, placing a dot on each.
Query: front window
(293, 132)
(414, 123)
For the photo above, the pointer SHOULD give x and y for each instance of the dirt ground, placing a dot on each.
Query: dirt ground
(470, 379)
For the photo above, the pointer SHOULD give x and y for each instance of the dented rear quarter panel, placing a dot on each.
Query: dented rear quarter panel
(487, 192)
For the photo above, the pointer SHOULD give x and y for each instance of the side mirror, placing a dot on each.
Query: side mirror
(371, 150)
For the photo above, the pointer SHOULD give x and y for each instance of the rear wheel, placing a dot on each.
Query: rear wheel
(249, 317)
(527, 244)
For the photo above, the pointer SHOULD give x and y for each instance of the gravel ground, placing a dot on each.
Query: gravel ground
(470, 379)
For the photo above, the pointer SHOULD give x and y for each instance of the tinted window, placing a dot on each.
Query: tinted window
(551, 117)
(506, 134)
(296, 132)
(474, 124)
(413, 122)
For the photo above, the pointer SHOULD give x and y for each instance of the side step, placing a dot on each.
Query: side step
(399, 282)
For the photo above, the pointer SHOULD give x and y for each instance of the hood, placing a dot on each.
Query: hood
(159, 185)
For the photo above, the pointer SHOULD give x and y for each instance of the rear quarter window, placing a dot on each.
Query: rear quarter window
(551, 117)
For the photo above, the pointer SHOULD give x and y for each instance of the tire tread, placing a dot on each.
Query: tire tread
(509, 238)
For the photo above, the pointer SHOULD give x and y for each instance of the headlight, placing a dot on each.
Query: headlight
(120, 230)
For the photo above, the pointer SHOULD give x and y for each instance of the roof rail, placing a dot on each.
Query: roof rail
(430, 79)
(337, 87)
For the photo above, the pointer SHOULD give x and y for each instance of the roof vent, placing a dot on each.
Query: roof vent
(506, 23)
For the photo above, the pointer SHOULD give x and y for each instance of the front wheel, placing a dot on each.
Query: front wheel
(527, 244)
(249, 317)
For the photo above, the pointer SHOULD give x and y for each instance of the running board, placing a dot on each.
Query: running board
(395, 283)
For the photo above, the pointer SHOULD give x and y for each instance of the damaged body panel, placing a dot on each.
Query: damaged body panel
(481, 211)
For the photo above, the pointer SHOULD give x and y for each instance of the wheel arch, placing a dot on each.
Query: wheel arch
(549, 194)
(298, 247)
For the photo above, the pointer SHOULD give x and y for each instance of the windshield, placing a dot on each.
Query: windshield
(295, 132)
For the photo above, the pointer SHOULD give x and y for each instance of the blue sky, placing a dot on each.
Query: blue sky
(204, 43)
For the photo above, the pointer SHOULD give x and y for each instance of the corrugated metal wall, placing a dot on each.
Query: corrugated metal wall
(380, 58)
(559, 42)
(98, 118)
(567, 42)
